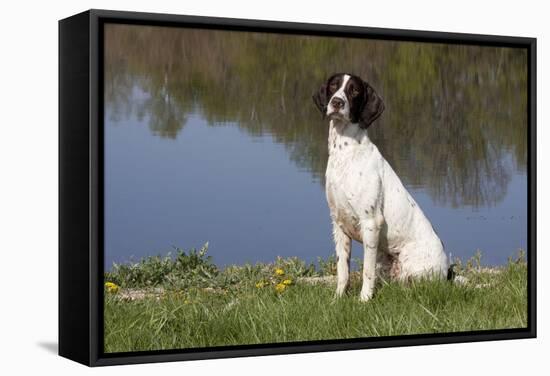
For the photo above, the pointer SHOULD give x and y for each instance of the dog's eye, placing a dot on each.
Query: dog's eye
(354, 92)
(333, 87)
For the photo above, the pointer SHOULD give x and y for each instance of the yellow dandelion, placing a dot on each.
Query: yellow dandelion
(287, 282)
(279, 271)
(111, 287)
(260, 284)
(279, 287)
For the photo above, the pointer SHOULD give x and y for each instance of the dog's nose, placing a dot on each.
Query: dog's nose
(337, 103)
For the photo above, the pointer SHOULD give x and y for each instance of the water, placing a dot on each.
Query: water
(212, 136)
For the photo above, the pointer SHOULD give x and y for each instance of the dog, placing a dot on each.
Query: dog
(366, 198)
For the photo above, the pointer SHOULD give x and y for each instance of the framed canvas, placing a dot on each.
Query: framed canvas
(238, 187)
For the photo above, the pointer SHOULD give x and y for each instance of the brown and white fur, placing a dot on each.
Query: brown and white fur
(367, 201)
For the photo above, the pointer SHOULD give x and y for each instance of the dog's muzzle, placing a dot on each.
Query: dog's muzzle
(336, 108)
(337, 103)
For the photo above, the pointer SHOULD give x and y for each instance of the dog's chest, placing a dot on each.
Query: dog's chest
(345, 177)
(341, 197)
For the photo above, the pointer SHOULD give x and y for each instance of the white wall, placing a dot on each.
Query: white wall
(28, 185)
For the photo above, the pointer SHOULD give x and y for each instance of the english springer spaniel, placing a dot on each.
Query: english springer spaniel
(366, 198)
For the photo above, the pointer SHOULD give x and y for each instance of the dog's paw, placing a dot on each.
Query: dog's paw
(366, 295)
(341, 289)
(340, 292)
(338, 295)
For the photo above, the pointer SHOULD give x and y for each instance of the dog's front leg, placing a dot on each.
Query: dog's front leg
(370, 228)
(343, 253)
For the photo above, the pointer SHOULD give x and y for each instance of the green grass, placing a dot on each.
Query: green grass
(240, 304)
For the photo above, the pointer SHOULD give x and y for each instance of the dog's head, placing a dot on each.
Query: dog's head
(348, 98)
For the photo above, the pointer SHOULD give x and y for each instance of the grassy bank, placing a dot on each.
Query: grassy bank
(186, 301)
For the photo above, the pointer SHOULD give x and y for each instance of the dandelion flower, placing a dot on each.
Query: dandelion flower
(260, 284)
(111, 287)
(279, 271)
(287, 282)
(280, 287)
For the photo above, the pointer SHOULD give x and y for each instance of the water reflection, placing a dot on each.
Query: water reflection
(178, 101)
(452, 112)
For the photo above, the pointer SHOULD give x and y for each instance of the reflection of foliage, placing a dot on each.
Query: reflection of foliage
(453, 113)
(167, 115)
(461, 126)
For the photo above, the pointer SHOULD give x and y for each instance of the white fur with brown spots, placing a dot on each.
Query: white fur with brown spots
(367, 200)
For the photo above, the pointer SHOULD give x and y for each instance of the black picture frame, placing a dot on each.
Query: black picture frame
(81, 197)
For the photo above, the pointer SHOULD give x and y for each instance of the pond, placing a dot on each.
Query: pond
(212, 136)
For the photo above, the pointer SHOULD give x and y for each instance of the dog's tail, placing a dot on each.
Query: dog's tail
(451, 273)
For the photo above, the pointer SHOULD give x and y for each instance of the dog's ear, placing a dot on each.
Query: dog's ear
(320, 99)
(373, 106)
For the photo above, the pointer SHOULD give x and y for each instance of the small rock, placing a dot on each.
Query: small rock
(461, 280)
(318, 280)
